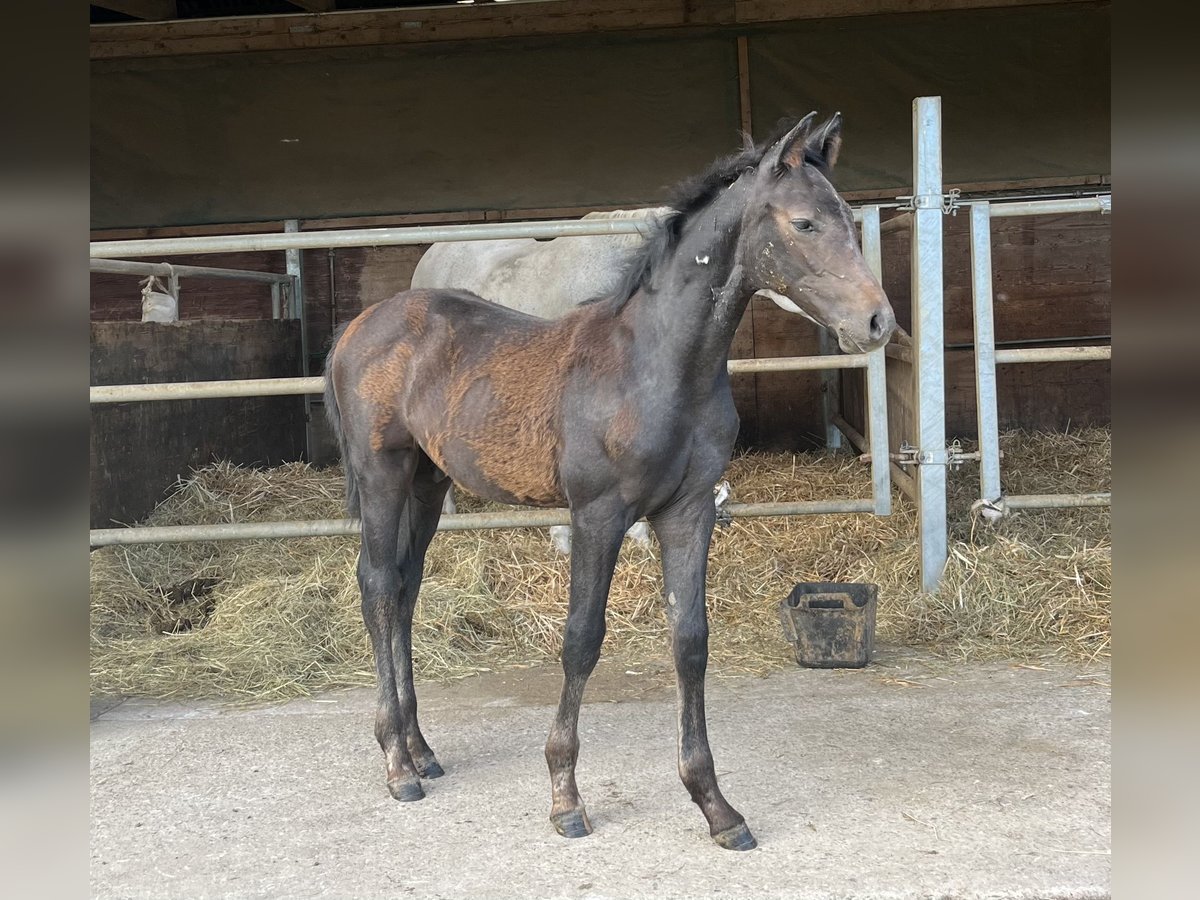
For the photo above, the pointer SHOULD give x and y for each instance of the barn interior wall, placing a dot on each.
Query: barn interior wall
(587, 120)
(602, 121)
(138, 450)
(1051, 281)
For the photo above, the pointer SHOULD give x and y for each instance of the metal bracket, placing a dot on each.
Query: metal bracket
(720, 494)
(990, 510)
(953, 456)
(948, 203)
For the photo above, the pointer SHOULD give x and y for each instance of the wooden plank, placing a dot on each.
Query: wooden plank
(744, 85)
(1051, 276)
(480, 21)
(788, 411)
(748, 11)
(396, 26)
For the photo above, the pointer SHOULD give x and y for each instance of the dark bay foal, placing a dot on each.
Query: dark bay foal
(621, 409)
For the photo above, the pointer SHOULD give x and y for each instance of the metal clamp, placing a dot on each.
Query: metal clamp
(948, 203)
(990, 510)
(720, 494)
(952, 456)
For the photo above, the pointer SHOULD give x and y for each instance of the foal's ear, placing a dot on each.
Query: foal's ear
(788, 152)
(826, 141)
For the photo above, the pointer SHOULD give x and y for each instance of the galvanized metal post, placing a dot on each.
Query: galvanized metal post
(928, 338)
(877, 415)
(985, 352)
(295, 268)
(872, 243)
(877, 432)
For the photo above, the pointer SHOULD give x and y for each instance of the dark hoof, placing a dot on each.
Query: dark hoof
(430, 769)
(406, 790)
(573, 824)
(736, 838)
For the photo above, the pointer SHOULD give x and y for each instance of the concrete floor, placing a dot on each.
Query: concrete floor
(906, 779)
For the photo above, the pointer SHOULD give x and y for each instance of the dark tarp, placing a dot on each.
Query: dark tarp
(583, 121)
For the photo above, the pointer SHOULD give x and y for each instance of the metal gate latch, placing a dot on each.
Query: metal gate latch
(948, 203)
(952, 456)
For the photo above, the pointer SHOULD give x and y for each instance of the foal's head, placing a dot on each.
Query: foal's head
(799, 241)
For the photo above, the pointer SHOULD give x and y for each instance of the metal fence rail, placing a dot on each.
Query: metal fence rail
(295, 240)
(276, 387)
(992, 500)
(527, 518)
(879, 502)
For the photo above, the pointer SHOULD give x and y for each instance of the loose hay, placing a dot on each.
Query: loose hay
(278, 618)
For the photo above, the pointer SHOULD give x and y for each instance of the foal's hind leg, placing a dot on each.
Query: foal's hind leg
(385, 481)
(418, 524)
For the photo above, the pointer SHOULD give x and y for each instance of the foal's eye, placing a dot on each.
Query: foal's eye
(803, 225)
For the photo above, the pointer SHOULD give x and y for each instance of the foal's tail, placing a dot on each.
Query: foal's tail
(334, 416)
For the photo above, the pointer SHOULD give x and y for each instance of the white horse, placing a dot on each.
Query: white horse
(546, 279)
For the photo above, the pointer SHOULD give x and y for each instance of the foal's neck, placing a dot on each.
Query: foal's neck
(691, 308)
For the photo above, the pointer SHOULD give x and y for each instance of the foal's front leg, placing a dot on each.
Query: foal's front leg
(684, 533)
(596, 540)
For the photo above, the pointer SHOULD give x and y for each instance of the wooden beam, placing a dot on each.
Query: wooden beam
(478, 21)
(155, 10)
(743, 52)
(755, 11)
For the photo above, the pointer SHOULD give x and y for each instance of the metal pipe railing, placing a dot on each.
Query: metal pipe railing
(1098, 204)
(366, 237)
(282, 387)
(529, 518)
(1051, 354)
(132, 267)
(487, 231)
(206, 390)
(1055, 501)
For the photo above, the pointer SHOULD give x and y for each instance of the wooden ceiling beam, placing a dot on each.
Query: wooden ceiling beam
(522, 18)
(152, 10)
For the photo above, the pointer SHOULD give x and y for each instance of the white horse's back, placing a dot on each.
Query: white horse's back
(542, 278)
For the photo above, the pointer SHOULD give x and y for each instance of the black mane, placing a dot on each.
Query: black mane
(689, 197)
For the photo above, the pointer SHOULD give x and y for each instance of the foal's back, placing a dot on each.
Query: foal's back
(478, 387)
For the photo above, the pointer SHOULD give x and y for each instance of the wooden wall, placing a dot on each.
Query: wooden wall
(1052, 280)
(139, 449)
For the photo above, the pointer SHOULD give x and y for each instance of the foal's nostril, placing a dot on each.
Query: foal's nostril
(876, 327)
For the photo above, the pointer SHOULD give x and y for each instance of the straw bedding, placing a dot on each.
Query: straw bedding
(268, 619)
